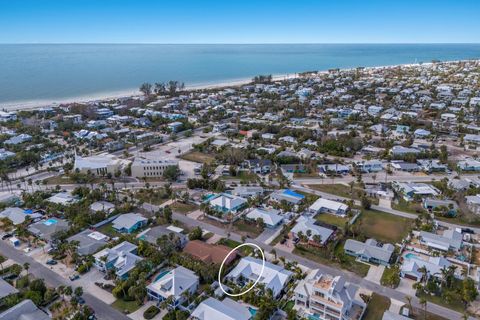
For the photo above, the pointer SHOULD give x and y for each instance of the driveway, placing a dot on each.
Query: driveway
(375, 273)
(405, 287)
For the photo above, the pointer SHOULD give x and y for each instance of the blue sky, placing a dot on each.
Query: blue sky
(234, 21)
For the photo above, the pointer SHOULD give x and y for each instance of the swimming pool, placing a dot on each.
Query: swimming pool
(161, 275)
(411, 255)
(49, 222)
(253, 312)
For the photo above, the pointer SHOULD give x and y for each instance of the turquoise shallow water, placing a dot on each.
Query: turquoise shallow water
(50, 72)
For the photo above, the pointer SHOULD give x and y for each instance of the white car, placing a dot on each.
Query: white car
(27, 250)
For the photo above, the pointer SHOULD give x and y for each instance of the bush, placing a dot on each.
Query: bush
(151, 312)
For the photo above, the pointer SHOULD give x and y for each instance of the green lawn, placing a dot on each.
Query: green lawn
(349, 263)
(331, 219)
(248, 227)
(376, 307)
(197, 156)
(407, 206)
(126, 306)
(108, 230)
(384, 226)
(341, 190)
(246, 250)
(243, 176)
(181, 207)
(456, 303)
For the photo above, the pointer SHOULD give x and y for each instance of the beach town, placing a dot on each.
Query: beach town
(357, 192)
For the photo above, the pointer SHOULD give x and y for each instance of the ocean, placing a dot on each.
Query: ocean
(48, 73)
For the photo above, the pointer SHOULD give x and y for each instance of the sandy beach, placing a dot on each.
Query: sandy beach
(35, 104)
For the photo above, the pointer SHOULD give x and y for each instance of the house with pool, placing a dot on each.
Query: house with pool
(122, 259)
(249, 269)
(173, 283)
(48, 229)
(324, 297)
(413, 264)
(224, 204)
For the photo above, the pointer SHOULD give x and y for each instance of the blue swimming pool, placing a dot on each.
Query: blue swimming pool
(49, 222)
(411, 255)
(161, 275)
(253, 312)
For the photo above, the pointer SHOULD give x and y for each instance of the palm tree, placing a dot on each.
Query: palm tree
(26, 266)
(424, 302)
(409, 302)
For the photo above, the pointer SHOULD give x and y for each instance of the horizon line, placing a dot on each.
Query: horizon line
(240, 43)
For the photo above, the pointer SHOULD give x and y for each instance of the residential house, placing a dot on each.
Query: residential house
(287, 195)
(247, 192)
(313, 230)
(89, 242)
(370, 251)
(6, 289)
(102, 206)
(129, 222)
(225, 202)
(334, 168)
(431, 166)
(227, 309)
(21, 138)
(18, 216)
(172, 233)
(370, 166)
(25, 310)
(450, 207)
(405, 166)
(274, 277)
(210, 253)
(322, 205)
(122, 259)
(412, 266)
(262, 166)
(469, 165)
(174, 283)
(449, 240)
(324, 297)
(409, 190)
(271, 217)
(48, 229)
(63, 198)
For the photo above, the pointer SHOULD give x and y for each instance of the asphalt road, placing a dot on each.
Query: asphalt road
(103, 311)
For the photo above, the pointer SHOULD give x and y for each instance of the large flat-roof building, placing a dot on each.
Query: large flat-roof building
(147, 167)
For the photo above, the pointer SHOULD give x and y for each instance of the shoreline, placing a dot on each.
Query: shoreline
(131, 93)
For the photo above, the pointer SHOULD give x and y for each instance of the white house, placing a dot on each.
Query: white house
(100, 165)
(249, 269)
(227, 309)
(173, 283)
(322, 205)
(270, 217)
(309, 227)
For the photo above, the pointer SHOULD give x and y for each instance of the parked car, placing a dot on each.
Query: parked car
(74, 277)
(6, 236)
(51, 262)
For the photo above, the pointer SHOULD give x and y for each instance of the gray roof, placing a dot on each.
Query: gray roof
(89, 241)
(47, 228)
(370, 248)
(128, 220)
(227, 309)
(151, 235)
(25, 310)
(449, 239)
(389, 315)
(6, 289)
(17, 215)
(307, 223)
